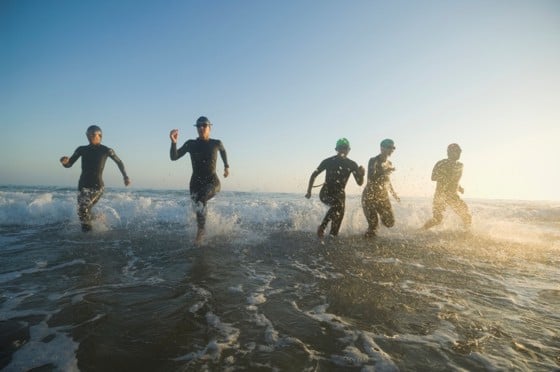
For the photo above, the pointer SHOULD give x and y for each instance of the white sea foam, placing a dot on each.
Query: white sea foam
(250, 214)
(46, 347)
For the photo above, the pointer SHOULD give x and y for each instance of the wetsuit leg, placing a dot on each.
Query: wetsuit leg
(437, 209)
(370, 211)
(385, 211)
(461, 208)
(335, 214)
(87, 198)
(200, 196)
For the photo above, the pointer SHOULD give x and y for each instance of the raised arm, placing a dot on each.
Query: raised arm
(175, 153)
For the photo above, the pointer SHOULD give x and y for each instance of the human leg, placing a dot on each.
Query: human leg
(87, 198)
(200, 194)
(370, 212)
(461, 208)
(385, 211)
(337, 214)
(332, 214)
(437, 210)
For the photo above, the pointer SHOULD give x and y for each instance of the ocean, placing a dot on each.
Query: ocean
(263, 294)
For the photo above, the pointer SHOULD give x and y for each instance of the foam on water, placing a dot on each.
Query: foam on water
(242, 214)
(262, 275)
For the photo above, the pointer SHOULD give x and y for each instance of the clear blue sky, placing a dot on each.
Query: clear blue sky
(282, 81)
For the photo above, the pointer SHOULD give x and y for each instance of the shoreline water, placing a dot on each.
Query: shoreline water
(262, 293)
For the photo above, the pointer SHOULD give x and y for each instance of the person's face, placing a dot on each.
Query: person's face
(94, 138)
(203, 130)
(387, 151)
(343, 151)
(454, 154)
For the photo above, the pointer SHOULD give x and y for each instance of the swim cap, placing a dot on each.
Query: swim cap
(388, 143)
(93, 129)
(202, 120)
(453, 147)
(342, 143)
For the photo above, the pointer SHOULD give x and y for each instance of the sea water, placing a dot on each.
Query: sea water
(263, 293)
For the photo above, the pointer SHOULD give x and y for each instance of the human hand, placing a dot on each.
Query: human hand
(387, 167)
(226, 172)
(361, 171)
(308, 195)
(64, 160)
(174, 135)
(127, 181)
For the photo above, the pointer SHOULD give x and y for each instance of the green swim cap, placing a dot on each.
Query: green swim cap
(342, 143)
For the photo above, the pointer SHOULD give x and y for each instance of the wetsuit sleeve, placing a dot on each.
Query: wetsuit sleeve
(321, 167)
(314, 175)
(74, 157)
(359, 177)
(118, 161)
(223, 154)
(175, 153)
(437, 171)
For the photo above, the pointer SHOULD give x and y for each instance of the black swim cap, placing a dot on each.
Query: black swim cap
(202, 120)
(93, 129)
(388, 144)
(454, 147)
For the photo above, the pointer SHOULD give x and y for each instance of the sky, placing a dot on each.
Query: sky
(281, 81)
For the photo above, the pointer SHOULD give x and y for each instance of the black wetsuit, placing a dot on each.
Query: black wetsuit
(332, 193)
(447, 173)
(91, 183)
(375, 198)
(204, 183)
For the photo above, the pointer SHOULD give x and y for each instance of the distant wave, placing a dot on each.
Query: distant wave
(519, 221)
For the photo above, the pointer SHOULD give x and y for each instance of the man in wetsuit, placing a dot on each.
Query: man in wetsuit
(204, 184)
(91, 183)
(338, 168)
(447, 174)
(375, 198)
